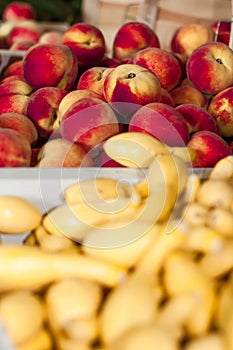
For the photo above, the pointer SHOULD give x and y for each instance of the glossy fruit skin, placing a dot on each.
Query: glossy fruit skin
(161, 121)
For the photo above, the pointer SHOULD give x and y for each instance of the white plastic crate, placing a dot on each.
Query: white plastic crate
(7, 55)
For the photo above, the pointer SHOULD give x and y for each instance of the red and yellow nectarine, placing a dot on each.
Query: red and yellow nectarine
(132, 37)
(189, 36)
(20, 123)
(15, 149)
(42, 108)
(63, 154)
(221, 108)
(210, 67)
(50, 65)
(161, 121)
(162, 63)
(18, 10)
(88, 122)
(87, 43)
(210, 148)
(129, 86)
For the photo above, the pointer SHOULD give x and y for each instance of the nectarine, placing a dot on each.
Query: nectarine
(15, 149)
(87, 43)
(88, 122)
(50, 65)
(18, 10)
(20, 123)
(162, 63)
(129, 86)
(63, 154)
(210, 67)
(161, 121)
(209, 147)
(132, 37)
(221, 108)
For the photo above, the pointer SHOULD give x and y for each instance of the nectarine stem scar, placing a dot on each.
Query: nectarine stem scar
(219, 60)
(131, 75)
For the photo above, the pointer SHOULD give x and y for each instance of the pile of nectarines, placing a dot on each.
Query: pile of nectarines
(20, 28)
(70, 89)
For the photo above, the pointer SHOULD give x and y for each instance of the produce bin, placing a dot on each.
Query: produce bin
(44, 188)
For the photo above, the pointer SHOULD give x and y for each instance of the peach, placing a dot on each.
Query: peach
(20, 123)
(5, 29)
(129, 86)
(162, 63)
(210, 67)
(221, 108)
(15, 149)
(87, 42)
(189, 36)
(72, 97)
(210, 148)
(48, 65)
(19, 33)
(132, 37)
(42, 108)
(11, 78)
(93, 79)
(88, 122)
(15, 86)
(224, 29)
(14, 68)
(161, 121)
(198, 118)
(21, 45)
(51, 37)
(63, 153)
(11, 31)
(188, 94)
(18, 10)
(13, 103)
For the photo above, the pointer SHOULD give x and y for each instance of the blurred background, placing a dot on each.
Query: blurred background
(164, 16)
(53, 10)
